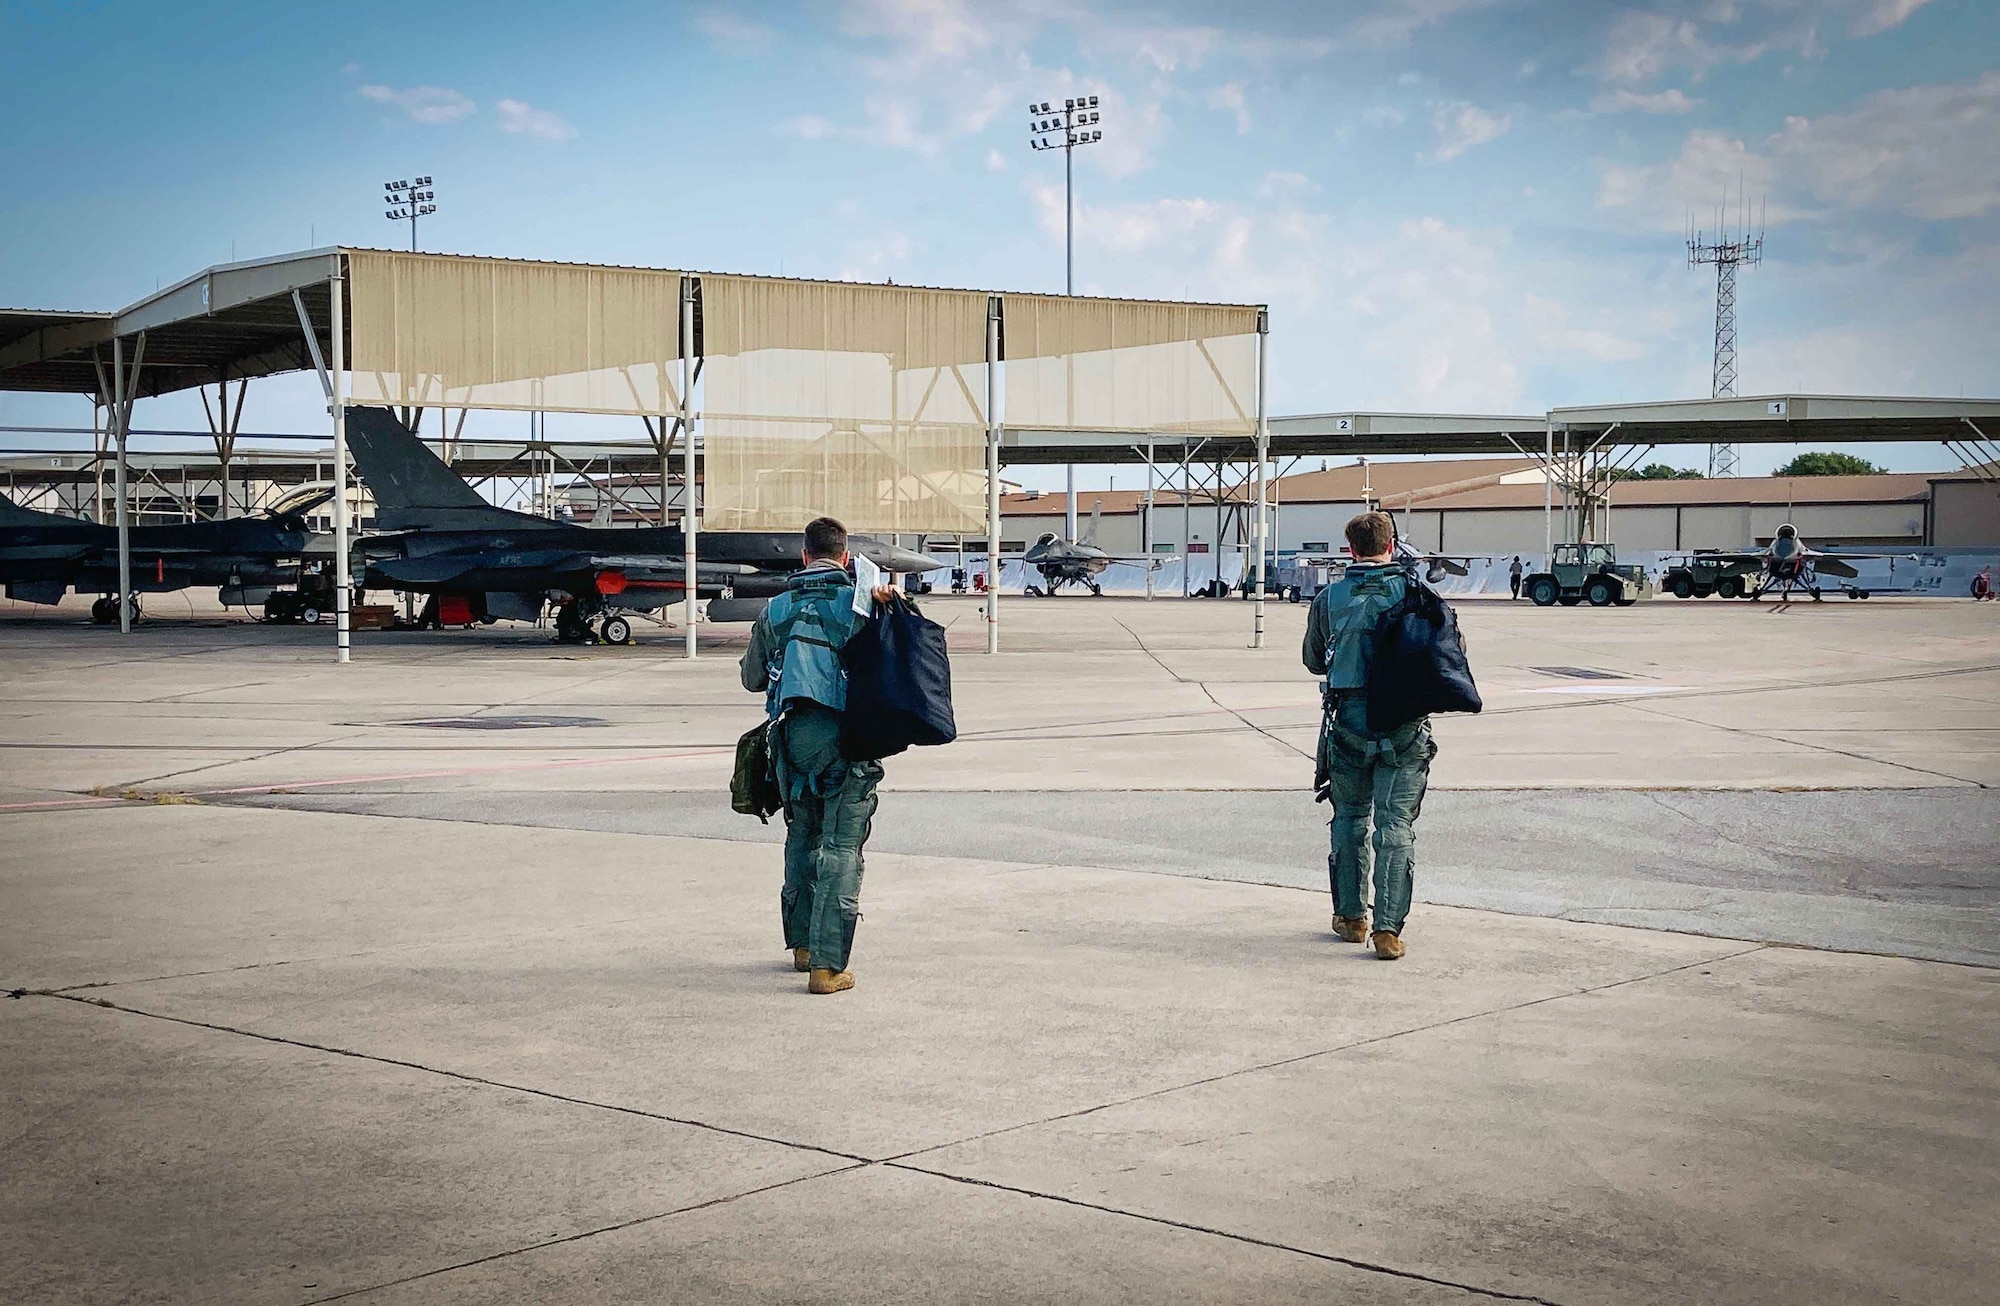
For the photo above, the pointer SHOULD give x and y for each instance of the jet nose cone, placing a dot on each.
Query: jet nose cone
(890, 557)
(904, 560)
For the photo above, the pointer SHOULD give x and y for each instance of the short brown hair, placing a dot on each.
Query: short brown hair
(1371, 534)
(825, 538)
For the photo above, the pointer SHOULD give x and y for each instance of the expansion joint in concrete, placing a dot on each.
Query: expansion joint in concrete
(1371, 1267)
(460, 1075)
(580, 1236)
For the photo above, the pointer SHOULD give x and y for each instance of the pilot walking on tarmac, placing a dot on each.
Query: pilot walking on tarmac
(794, 660)
(1363, 772)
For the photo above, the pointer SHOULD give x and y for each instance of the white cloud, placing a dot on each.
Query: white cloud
(1642, 45)
(426, 104)
(1550, 327)
(1882, 15)
(922, 29)
(1420, 314)
(808, 127)
(876, 257)
(1230, 97)
(996, 161)
(1927, 152)
(1394, 22)
(1384, 115)
(1673, 100)
(1277, 184)
(732, 32)
(524, 119)
(1710, 166)
(1461, 126)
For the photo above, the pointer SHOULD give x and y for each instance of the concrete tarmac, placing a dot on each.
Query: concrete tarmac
(447, 976)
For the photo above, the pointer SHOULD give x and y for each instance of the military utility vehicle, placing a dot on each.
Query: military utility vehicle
(1587, 571)
(1704, 574)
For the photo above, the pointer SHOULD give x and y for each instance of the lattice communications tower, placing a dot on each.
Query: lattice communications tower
(1727, 251)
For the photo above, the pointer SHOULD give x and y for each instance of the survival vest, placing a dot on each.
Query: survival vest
(1355, 604)
(810, 622)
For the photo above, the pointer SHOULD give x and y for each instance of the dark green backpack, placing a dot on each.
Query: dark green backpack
(753, 786)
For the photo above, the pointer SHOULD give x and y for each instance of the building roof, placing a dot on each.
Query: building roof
(1905, 487)
(1780, 419)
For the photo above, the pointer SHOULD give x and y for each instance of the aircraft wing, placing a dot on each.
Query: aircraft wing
(1827, 565)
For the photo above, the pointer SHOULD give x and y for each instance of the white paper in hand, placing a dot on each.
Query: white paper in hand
(866, 577)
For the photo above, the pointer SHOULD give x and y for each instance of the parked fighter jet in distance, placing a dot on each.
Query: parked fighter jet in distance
(44, 554)
(481, 563)
(1299, 578)
(1075, 562)
(1788, 564)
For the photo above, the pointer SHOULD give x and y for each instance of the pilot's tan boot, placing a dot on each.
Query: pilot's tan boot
(1387, 946)
(827, 981)
(1351, 929)
(802, 959)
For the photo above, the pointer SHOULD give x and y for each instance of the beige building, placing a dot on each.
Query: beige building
(1965, 507)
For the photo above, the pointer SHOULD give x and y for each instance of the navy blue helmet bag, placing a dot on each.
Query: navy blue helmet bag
(898, 685)
(1416, 662)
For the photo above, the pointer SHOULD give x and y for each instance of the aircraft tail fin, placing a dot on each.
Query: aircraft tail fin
(19, 516)
(405, 476)
(1096, 511)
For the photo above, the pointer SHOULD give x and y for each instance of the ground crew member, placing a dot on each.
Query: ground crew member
(1514, 579)
(794, 660)
(1360, 770)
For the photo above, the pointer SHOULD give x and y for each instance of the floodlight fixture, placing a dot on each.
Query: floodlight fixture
(1062, 129)
(409, 200)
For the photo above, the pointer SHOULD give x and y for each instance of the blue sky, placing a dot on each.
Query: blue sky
(1451, 205)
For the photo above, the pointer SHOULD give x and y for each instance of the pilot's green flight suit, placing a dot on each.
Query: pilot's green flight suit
(1361, 770)
(794, 657)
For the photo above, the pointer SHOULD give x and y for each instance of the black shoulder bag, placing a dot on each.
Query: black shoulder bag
(1416, 662)
(898, 685)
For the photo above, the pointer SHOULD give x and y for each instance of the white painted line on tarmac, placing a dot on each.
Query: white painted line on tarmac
(1606, 689)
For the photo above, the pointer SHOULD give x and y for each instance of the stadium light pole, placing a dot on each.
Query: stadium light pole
(408, 201)
(1066, 129)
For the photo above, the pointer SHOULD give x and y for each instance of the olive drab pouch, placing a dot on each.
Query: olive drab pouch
(753, 785)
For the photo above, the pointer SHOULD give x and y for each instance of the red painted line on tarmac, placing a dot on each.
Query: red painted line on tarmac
(278, 786)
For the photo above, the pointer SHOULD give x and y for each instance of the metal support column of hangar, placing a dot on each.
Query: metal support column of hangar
(690, 506)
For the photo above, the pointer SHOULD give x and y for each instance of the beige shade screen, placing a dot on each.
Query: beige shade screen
(1130, 365)
(431, 330)
(865, 403)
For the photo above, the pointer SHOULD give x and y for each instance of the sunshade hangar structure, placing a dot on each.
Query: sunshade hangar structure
(879, 404)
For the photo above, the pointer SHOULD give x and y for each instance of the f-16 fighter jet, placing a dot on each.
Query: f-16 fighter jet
(482, 562)
(1076, 562)
(1788, 564)
(43, 555)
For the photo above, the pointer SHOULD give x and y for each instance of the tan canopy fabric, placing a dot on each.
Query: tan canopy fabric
(1130, 365)
(497, 333)
(862, 402)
